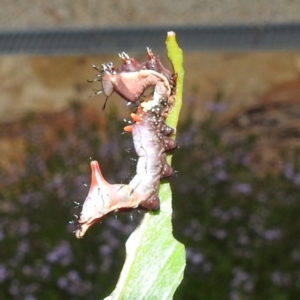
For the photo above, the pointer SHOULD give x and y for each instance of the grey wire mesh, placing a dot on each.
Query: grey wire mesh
(95, 41)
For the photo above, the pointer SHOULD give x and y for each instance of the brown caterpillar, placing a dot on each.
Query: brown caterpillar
(150, 137)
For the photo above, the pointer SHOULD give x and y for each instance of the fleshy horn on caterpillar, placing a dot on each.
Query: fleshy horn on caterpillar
(104, 198)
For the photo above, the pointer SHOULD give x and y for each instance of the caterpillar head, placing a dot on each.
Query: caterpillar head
(107, 74)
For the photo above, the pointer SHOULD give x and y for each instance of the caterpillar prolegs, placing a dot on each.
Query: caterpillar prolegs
(151, 139)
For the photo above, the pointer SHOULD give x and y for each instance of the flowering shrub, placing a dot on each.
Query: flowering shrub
(241, 230)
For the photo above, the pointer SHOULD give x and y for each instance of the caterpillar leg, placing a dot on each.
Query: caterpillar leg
(151, 203)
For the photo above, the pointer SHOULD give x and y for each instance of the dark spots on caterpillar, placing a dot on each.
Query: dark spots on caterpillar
(110, 65)
(121, 187)
(131, 193)
(163, 102)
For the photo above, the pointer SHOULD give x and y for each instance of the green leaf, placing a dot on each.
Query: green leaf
(155, 261)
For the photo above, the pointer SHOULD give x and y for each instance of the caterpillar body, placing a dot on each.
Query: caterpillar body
(151, 139)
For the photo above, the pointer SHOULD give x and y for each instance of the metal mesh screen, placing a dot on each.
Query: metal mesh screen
(95, 41)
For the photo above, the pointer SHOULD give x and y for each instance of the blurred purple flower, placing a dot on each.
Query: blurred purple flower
(105, 250)
(3, 272)
(220, 234)
(61, 254)
(241, 157)
(109, 149)
(243, 240)
(214, 106)
(73, 276)
(236, 212)
(62, 282)
(44, 271)
(90, 268)
(290, 174)
(194, 230)
(195, 257)
(29, 297)
(221, 175)
(186, 138)
(106, 264)
(23, 248)
(15, 288)
(31, 198)
(242, 188)
(110, 238)
(1, 234)
(288, 171)
(281, 279)
(27, 270)
(296, 179)
(242, 278)
(234, 295)
(24, 226)
(218, 161)
(272, 234)
(191, 100)
(216, 212)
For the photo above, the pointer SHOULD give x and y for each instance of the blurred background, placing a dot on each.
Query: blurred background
(236, 193)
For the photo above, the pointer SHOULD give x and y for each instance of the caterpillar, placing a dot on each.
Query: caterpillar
(151, 139)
